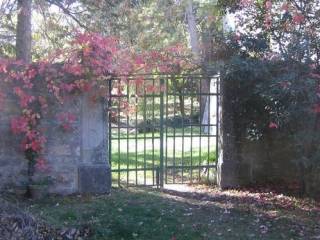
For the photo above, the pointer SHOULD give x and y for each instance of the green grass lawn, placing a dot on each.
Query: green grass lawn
(139, 151)
(149, 214)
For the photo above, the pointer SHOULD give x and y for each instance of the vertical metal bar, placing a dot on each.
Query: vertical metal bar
(191, 134)
(217, 119)
(209, 130)
(161, 132)
(128, 160)
(144, 134)
(167, 117)
(119, 137)
(174, 129)
(158, 177)
(153, 128)
(136, 133)
(182, 154)
(200, 135)
(109, 123)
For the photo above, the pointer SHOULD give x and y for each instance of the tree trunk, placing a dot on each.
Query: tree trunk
(181, 105)
(195, 47)
(193, 32)
(24, 34)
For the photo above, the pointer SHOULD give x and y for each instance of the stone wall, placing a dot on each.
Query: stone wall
(12, 163)
(271, 159)
(77, 159)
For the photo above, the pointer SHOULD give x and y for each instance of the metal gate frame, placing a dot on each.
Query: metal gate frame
(124, 89)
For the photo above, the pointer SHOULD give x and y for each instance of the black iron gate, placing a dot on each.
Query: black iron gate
(163, 129)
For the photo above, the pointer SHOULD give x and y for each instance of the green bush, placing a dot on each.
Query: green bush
(279, 98)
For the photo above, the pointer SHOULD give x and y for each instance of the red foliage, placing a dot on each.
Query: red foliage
(68, 87)
(42, 165)
(273, 125)
(268, 4)
(3, 66)
(315, 75)
(84, 67)
(285, 84)
(19, 125)
(316, 108)
(151, 89)
(246, 3)
(25, 99)
(75, 69)
(66, 120)
(43, 103)
(285, 7)
(268, 21)
(298, 18)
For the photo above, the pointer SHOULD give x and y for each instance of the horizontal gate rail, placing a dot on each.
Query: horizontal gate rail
(158, 126)
(158, 95)
(151, 169)
(168, 136)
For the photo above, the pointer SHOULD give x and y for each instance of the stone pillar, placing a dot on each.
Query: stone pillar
(229, 163)
(226, 170)
(77, 159)
(94, 168)
(232, 170)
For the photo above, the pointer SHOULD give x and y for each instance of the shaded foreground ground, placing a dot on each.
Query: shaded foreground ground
(193, 213)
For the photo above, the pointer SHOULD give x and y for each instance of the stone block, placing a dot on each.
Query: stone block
(95, 179)
(60, 150)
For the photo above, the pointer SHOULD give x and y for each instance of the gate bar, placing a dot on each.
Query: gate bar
(161, 131)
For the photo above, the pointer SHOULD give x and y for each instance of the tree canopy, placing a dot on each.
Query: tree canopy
(139, 24)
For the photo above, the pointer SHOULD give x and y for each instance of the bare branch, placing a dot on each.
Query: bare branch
(67, 12)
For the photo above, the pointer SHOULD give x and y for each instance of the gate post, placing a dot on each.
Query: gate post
(228, 164)
(94, 171)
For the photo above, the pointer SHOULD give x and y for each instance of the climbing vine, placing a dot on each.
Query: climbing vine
(84, 67)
